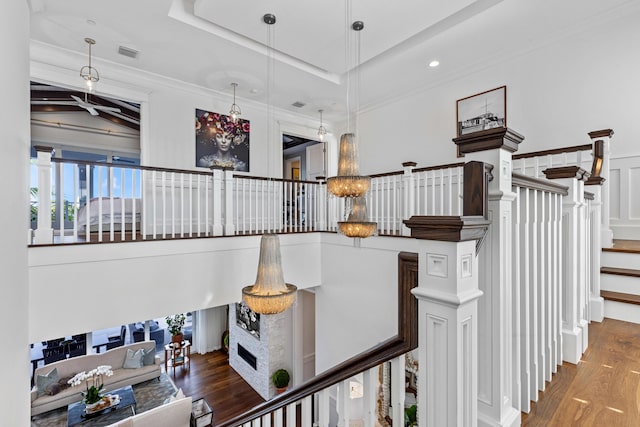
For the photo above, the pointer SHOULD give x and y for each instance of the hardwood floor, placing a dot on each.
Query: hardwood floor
(210, 377)
(602, 390)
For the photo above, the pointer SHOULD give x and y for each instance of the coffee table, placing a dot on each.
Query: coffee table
(76, 414)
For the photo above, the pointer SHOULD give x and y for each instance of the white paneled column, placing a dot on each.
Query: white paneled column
(409, 195)
(574, 287)
(447, 296)
(606, 235)
(218, 202)
(43, 235)
(14, 174)
(495, 328)
(229, 226)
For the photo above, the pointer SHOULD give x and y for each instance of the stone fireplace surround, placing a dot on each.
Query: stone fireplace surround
(273, 350)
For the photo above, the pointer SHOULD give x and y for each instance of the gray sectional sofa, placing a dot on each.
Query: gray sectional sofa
(67, 368)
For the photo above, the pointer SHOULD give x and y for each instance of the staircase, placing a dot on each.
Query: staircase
(620, 280)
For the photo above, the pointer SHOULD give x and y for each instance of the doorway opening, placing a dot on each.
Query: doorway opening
(302, 158)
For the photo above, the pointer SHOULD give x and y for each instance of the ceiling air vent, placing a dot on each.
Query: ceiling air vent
(298, 104)
(127, 51)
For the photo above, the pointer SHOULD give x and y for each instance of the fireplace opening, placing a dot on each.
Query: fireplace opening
(247, 356)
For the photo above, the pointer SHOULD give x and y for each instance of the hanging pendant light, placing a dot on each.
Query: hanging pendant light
(270, 294)
(322, 131)
(349, 182)
(235, 111)
(357, 224)
(89, 73)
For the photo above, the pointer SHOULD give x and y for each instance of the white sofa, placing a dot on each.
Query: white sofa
(173, 414)
(67, 368)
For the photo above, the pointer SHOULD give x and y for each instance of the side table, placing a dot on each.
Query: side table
(177, 354)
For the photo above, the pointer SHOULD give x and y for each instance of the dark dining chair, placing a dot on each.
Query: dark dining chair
(78, 349)
(117, 340)
(53, 354)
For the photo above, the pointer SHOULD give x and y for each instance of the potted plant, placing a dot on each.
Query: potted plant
(175, 324)
(280, 379)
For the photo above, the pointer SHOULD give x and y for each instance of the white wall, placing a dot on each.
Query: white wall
(14, 121)
(357, 304)
(167, 110)
(555, 95)
(90, 287)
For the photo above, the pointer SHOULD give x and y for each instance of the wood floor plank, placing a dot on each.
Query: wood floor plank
(602, 390)
(210, 377)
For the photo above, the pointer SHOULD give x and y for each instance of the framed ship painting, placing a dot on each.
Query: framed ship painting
(486, 110)
(221, 142)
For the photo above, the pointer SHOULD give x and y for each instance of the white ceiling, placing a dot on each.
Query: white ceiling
(213, 43)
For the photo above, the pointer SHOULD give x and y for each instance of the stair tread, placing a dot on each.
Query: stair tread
(620, 271)
(625, 246)
(620, 297)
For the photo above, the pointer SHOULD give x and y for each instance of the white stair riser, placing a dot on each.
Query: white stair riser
(620, 260)
(617, 283)
(621, 311)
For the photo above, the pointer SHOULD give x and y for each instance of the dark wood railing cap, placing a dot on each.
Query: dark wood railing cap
(601, 133)
(567, 172)
(448, 228)
(320, 178)
(409, 164)
(43, 148)
(488, 140)
(595, 180)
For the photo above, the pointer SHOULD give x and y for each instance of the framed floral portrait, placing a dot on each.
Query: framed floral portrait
(221, 142)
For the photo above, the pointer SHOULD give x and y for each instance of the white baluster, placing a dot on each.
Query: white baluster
(123, 223)
(76, 200)
(323, 408)
(99, 185)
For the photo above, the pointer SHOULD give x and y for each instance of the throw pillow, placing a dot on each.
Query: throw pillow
(64, 383)
(149, 356)
(53, 388)
(178, 394)
(133, 360)
(42, 381)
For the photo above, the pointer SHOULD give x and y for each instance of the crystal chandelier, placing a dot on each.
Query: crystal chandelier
(322, 131)
(270, 294)
(89, 73)
(349, 182)
(357, 224)
(235, 111)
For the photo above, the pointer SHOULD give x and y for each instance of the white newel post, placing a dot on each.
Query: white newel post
(229, 226)
(596, 305)
(495, 349)
(217, 229)
(44, 233)
(574, 286)
(323, 204)
(409, 196)
(447, 295)
(606, 235)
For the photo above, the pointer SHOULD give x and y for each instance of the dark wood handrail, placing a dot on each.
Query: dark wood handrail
(438, 167)
(572, 149)
(265, 178)
(519, 180)
(406, 340)
(118, 165)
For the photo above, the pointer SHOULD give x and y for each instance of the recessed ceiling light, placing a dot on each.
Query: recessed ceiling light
(434, 63)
